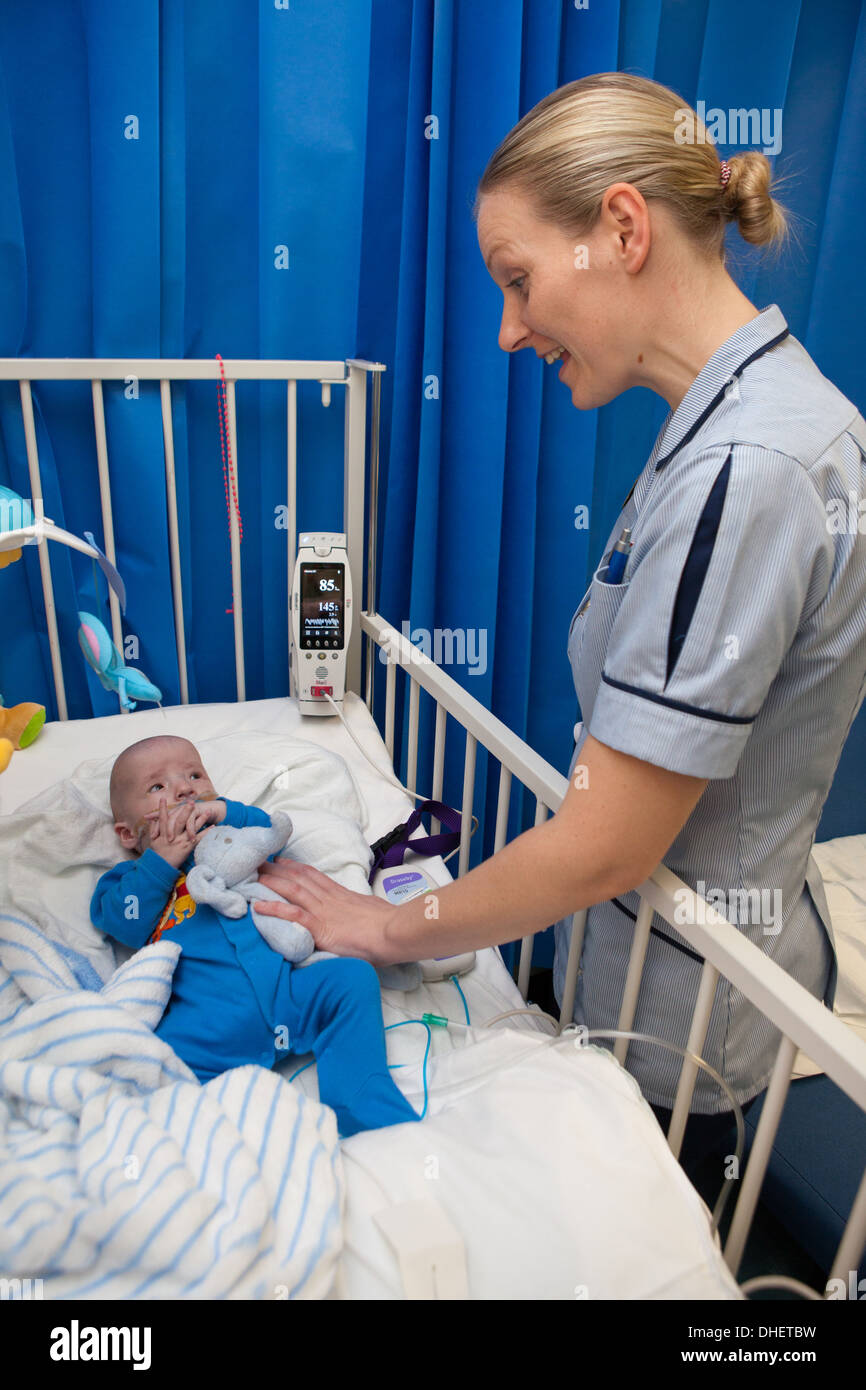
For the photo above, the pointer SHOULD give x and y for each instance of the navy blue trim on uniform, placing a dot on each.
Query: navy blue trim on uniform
(654, 931)
(708, 410)
(697, 563)
(678, 704)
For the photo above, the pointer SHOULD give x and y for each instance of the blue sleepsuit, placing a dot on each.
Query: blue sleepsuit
(234, 999)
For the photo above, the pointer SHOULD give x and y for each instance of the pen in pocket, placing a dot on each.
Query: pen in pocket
(619, 557)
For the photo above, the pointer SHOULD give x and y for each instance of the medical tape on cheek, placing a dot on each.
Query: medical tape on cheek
(152, 818)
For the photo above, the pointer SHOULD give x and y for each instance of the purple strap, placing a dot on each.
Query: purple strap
(391, 849)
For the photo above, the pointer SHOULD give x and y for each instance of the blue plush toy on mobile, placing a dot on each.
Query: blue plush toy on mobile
(99, 651)
(102, 655)
(20, 527)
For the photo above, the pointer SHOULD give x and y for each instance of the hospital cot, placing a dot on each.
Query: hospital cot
(515, 1153)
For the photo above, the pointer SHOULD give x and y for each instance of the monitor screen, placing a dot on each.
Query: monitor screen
(322, 606)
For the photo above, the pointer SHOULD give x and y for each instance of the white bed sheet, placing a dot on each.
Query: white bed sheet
(592, 1210)
(842, 862)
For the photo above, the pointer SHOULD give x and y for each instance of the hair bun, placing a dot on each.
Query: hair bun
(748, 200)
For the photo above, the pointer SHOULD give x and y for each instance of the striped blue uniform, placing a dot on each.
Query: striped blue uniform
(734, 649)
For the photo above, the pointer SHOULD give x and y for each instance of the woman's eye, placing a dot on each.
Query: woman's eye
(517, 284)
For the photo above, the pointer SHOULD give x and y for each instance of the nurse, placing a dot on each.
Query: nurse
(718, 680)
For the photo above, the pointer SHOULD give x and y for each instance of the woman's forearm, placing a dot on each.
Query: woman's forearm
(612, 828)
(528, 885)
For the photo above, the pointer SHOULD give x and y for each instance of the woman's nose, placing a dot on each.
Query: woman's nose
(512, 331)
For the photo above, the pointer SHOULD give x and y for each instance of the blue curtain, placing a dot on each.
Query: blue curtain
(154, 158)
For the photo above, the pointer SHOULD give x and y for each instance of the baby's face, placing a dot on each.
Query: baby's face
(169, 770)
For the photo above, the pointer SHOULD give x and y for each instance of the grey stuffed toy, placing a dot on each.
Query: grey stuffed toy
(225, 877)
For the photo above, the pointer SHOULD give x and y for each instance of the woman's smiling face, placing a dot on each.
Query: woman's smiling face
(561, 291)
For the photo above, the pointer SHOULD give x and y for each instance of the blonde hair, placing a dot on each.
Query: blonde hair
(615, 127)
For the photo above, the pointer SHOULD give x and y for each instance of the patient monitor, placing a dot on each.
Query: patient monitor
(321, 620)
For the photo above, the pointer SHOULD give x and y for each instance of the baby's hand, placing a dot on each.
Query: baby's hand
(174, 834)
(209, 813)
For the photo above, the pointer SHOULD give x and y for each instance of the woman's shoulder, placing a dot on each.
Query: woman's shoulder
(785, 404)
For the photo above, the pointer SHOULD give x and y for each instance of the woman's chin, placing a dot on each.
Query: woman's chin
(583, 396)
(577, 387)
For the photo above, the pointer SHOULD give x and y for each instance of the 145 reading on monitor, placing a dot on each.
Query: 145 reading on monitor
(322, 606)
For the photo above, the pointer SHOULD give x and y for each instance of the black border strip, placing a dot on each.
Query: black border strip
(694, 571)
(678, 704)
(687, 950)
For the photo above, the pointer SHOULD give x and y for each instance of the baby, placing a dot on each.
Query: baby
(233, 998)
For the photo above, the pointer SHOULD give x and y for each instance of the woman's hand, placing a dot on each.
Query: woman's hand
(347, 923)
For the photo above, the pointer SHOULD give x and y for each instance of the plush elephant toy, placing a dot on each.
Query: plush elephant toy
(224, 876)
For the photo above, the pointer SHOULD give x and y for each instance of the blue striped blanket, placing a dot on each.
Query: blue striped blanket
(120, 1175)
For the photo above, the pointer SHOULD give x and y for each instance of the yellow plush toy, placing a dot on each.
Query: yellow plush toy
(19, 726)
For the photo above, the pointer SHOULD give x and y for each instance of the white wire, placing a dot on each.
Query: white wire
(533, 1013)
(780, 1281)
(565, 1030)
(416, 796)
(728, 1184)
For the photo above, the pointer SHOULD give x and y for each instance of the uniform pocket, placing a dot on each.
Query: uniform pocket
(589, 638)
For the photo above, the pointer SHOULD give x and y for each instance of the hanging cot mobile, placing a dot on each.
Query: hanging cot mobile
(19, 527)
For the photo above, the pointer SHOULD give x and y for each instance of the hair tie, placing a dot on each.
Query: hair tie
(726, 173)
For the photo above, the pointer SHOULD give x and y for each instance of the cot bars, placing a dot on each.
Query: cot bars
(373, 534)
(291, 495)
(528, 942)
(853, 1240)
(695, 1044)
(174, 536)
(354, 488)
(351, 373)
(572, 966)
(726, 953)
(438, 759)
(44, 563)
(412, 765)
(503, 805)
(525, 764)
(107, 514)
(637, 956)
(468, 799)
(771, 1114)
(234, 534)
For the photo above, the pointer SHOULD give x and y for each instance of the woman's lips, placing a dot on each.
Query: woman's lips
(565, 359)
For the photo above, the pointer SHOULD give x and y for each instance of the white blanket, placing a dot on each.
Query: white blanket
(122, 1176)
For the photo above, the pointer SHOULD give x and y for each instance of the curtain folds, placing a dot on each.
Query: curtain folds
(296, 180)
